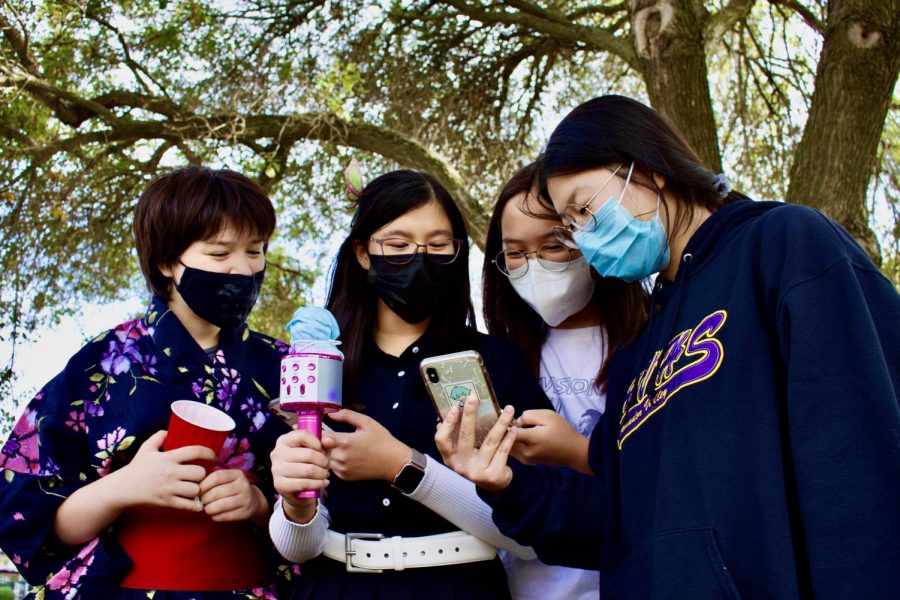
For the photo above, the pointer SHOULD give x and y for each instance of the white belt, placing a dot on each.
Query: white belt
(373, 553)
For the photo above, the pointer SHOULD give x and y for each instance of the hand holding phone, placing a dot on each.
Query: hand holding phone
(451, 378)
(486, 466)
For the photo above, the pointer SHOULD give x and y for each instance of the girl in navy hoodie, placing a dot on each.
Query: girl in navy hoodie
(751, 442)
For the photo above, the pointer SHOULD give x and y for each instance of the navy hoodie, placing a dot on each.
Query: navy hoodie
(751, 443)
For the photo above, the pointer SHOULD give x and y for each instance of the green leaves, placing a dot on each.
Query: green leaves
(129, 89)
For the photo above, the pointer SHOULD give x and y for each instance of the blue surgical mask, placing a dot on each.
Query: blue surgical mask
(620, 245)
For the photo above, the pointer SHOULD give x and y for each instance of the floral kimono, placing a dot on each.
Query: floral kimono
(90, 420)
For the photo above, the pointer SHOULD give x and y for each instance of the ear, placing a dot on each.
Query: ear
(362, 256)
(167, 271)
(660, 181)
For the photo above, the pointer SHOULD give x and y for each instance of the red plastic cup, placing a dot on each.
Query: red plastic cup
(196, 424)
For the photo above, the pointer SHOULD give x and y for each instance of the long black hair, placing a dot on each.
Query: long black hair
(353, 300)
(621, 305)
(610, 130)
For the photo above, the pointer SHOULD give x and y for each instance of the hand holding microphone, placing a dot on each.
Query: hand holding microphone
(311, 378)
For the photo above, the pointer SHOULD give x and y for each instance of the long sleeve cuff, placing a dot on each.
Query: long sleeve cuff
(295, 541)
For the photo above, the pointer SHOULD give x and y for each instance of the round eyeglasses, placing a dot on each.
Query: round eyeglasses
(553, 256)
(401, 251)
(579, 217)
(564, 236)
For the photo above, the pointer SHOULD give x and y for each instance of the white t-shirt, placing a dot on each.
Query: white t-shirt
(570, 360)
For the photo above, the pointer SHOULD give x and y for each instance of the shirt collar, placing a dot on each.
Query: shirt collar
(174, 341)
(416, 351)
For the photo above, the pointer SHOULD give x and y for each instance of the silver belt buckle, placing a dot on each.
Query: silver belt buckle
(349, 552)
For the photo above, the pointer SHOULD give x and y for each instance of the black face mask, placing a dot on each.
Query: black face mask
(223, 299)
(415, 290)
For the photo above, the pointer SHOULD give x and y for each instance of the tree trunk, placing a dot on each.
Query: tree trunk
(857, 70)
(668, 37)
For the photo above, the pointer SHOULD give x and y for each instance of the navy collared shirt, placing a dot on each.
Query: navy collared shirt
(392, 392)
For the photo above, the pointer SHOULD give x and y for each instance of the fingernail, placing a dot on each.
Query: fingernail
(508, 409)
(471, 401)
(453, 410)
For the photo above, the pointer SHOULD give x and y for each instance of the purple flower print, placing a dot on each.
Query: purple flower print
(75, 421)
(124, 349)
(115, 360)
(219, 358)
(235, 454)
(262, 594)
(256, 412)
(66, 579)
(51, 468)
(94, 408)
(110, 440)
(227, 387)
(109, 444)
(204, 389)
(281, 346)
(149, 365)
(20, 452)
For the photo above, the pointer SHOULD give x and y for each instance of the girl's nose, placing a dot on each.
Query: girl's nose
(241, 266)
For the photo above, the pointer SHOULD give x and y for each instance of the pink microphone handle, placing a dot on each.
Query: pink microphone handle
(310, 420)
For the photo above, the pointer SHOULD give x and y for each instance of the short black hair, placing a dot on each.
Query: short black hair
(190, 204)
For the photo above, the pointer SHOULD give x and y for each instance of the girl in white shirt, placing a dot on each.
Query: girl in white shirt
(566, 320)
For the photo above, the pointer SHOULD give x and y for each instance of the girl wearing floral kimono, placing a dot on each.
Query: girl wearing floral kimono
(90, 505)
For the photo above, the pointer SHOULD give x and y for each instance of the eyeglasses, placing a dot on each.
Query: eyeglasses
(401, 251)
(578, 217)
(552, 256)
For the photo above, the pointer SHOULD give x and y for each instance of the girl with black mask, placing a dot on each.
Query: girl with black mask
(400, 293)
(92, 507)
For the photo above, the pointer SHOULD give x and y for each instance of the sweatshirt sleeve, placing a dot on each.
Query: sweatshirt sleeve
(556, 510)
(511, 376)
(839, 333)
(454, 498)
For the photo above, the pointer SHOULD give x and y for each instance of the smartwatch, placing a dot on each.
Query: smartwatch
(410, 476)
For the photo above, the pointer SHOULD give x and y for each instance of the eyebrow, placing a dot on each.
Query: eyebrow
(543, 236)
(575, 190)
(231, 242)
(402, 233)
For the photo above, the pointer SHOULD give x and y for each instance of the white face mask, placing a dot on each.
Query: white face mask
(555, 295)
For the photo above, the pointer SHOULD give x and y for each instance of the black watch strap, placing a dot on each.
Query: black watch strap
(410, 476)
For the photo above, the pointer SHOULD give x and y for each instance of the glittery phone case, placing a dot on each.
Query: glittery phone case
(451, 378)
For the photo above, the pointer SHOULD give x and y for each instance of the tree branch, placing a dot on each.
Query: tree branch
(19, 44)
(724, 20)
(138, 71)
(569, 33)
(286, 129)
(607, 10)
(282, 267)
(60, 101)
(805, 13)
(537, 11)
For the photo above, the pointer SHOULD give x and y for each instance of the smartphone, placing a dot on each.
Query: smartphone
(451, 378)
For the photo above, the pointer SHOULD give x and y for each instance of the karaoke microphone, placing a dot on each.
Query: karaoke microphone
(312, 372)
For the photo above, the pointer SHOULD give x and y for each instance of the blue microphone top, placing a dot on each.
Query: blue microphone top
(313, 323)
